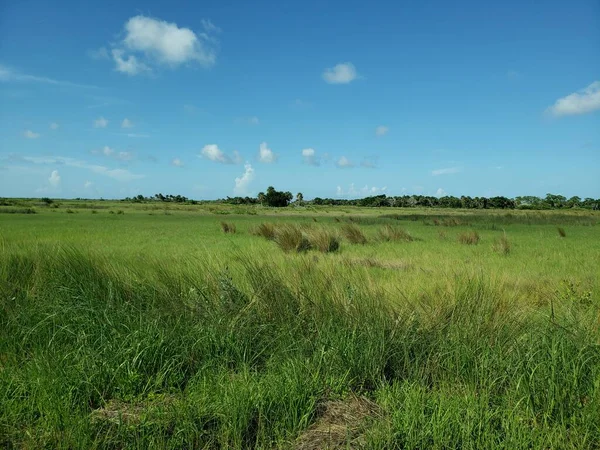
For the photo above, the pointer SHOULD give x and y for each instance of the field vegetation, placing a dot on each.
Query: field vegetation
(219, 325)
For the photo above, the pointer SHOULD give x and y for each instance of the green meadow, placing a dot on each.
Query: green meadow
(217, 326)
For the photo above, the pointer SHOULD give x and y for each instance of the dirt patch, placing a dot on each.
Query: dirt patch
(341, 424)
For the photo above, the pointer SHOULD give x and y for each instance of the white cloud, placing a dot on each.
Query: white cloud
(100, 122)
(54, 126)
(242, 183)
(9, 75)
(129, 65)
(340, 74)
(214, 153)
(265, 154)
(117, 174)
(126, 123)
(366, 190)
(581, 102)
(163, 43)
(445, 171)
(344, 163)
(381, 130)
(310, 157)
(30, 134)
(440, 193)
(54, 179)
(237, 158)
(125, 156)
(177, 162)
(88, 184)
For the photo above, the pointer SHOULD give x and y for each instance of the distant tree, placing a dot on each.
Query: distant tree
(47, 201)
(574, 202)
(299, 197)
(276, 198)
(555, 201)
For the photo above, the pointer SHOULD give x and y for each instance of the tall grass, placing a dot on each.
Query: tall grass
(228, 228)
(469, 238)
(393, 233)
(354, 234)
(96, 352)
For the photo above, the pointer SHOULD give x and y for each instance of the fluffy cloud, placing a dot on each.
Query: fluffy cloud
(310, 157)
(445, 171)
(88, 184)
(160, 42)
(344, 163)
(126, 123)
(265, 154)
(364, 191)
(30, 134)
(54, 126)
(100, 122)
(342, 73)
(129, 65)
(54, 179)
(214, 153)
(440, 193)
(177, 162)
(581, 102)
(242, 183)
(381, 130)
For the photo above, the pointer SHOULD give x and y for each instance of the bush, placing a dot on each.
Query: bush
(469, 238)
(324, 241)
(354, 234)
(561, 232)
(228, 227)
(390, 233)
(291, 238)
(70, 211)
(94, 211)
(120, 211)
(266, 230)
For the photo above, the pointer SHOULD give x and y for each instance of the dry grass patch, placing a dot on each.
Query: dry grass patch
(469, 238)
(290, 238)
(354, 234)
(324, 240)
(341, 424)
(502, 245)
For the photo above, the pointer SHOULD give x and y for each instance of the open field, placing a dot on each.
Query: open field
(135, 325)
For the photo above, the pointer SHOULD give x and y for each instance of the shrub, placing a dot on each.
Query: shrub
(469, 238)
(291, 238)
(111, 212)
(266, 230)
(228, 227)
(390, 233)
(94, 211)
(561, 232)
(70, 211)
(354, 234)
(324, 241)
(120, 211)
(502, 245)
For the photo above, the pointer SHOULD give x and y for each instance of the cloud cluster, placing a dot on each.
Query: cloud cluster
(111, 153)
(342, 73)
(151, 42)
(54, 179)
(364, 191)
(116, 174)
(581, 102)
(212, 152)
(309, 155)
(242, 183)
(344, 163)
(265, 154)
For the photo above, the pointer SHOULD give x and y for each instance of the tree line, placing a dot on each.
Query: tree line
(278, 199)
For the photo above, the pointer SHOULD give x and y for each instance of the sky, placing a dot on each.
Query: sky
(329, 98)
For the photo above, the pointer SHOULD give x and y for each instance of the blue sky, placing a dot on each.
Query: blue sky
(333, 99)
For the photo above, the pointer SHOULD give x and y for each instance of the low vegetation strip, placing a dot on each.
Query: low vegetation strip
(100, 353)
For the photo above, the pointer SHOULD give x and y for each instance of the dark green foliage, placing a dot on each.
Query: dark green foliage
(561, 232)
(275, 198)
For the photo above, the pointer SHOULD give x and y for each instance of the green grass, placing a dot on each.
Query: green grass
(138, 330)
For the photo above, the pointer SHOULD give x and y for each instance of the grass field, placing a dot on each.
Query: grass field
(136, 326)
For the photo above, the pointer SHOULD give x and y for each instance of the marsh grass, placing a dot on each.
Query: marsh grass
(469, 237)
(266, 230)
(228, 228)
(502, 245)
(290, 238)
(393, 233)
(323, 240)
(354, 234)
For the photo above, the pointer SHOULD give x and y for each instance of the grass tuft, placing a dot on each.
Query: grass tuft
(561, 232)
(354, 234)
(469, 238)
(502, 245)
(290, 238)
(228, 228)
(266, 230)
(323, 240)
(393, 233)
